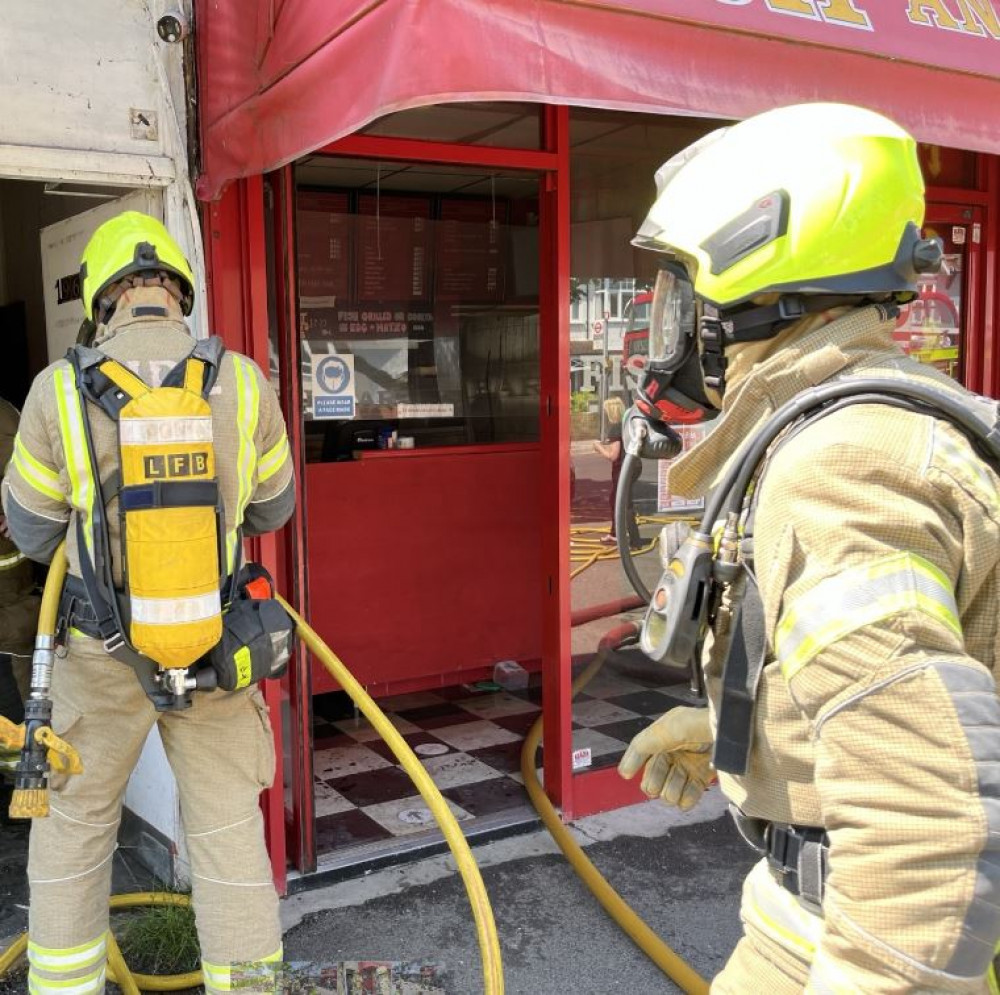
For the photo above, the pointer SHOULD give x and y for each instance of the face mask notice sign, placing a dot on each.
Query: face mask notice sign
(333, 387)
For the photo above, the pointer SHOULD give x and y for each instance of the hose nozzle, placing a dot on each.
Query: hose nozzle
(29, 803)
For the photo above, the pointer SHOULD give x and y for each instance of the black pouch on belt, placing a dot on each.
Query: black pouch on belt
(257, 633)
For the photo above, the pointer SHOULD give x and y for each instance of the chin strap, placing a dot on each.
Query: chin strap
(720, 329)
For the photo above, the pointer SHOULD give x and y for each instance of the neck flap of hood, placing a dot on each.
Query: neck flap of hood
(806, 354)
(139, 305)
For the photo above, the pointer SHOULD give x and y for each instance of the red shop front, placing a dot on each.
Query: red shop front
(432, 201)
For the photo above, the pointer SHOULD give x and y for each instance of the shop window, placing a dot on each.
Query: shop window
(931, 328)
(613, 159)
(506, 125)
(418, 304)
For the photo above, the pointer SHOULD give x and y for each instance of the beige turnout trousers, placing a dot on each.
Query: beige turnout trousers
(222, 754)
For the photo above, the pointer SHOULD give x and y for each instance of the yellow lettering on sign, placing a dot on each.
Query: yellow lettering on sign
(932, 12)
(844, 12)
(801, 8)
(977, 15)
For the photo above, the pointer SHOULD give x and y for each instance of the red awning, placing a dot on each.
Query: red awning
(284, 77)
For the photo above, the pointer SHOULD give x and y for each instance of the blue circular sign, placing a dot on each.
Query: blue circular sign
(333, 376)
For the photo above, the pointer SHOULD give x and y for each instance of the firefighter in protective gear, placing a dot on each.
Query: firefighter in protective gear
(871, 787)
(137, 289)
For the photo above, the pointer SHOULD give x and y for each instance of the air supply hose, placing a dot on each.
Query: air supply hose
(619, 910)
(631, 469)
(489, 943)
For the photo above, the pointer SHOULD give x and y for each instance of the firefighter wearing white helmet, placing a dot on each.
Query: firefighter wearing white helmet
(67, 474)
(867, 771)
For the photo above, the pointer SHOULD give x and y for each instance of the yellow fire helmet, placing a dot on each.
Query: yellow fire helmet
(131, 243)
(807, 199)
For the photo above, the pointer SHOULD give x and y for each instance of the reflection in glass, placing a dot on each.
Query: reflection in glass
(433, 294)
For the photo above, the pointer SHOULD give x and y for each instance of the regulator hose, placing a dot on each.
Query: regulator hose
(637, 930)
(631, 468)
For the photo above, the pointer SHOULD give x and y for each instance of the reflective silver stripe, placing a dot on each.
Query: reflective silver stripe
(973, 693)
(7, 562)
(175, 611)
(35, 473)
(74, 440)
(143, 431)
(247, 411)
(67, 958)
(777, 913)
(38, 985)
(840, 605)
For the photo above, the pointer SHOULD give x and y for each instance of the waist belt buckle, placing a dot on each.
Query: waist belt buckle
(113, 643)
(797, 856)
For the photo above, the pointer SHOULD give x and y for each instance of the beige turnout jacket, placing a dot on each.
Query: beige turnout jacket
(45, 488)
(877, 551)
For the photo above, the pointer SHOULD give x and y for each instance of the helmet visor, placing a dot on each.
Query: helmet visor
(671, 319)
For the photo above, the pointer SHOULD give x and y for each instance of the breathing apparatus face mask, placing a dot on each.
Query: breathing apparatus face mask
(671, 388)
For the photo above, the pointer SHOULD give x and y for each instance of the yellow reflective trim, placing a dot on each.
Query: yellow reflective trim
(93, 982)
(74, 440)
(64, 954)
(35, 473)
(777, 913)
(8, 562)
(244, 669)
(274, 459)
(247, 410)
(840, 605)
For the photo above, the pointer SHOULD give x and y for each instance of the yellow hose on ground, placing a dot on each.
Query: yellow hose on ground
(619, 910)
(489, 943)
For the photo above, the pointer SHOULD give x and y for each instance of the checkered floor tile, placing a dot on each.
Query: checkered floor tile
(470, 742)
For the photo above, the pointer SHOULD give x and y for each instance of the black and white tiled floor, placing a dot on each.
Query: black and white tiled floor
(470, 742)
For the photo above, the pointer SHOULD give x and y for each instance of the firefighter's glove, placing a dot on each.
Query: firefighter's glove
(676, 751)
(61, 756)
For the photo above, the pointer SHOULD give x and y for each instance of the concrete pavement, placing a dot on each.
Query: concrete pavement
(682, 873)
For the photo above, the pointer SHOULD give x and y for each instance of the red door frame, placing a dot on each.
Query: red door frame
(236, 280)
(296, 685)
(973, 337)
(236, 264)
(552, 163)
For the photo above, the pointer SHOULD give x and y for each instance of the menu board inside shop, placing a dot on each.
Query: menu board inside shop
(393, 257)
(467, 251)
(366, 323)
(323, 239)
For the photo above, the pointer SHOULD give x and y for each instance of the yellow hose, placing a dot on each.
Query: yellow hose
(619, 910)
(489, 943)
(49, 611)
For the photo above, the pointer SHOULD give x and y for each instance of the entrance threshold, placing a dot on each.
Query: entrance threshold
(353, 862)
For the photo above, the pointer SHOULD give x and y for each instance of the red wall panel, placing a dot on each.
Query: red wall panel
(425, 564)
